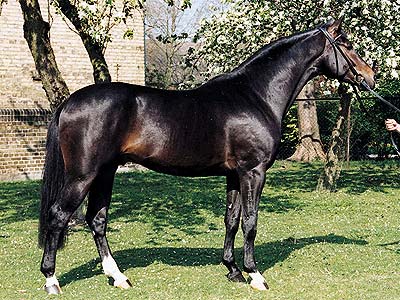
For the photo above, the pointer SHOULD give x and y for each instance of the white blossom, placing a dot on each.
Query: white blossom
(251, 24)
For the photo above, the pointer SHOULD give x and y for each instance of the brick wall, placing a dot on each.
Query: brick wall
(23, 105)
(22, 140)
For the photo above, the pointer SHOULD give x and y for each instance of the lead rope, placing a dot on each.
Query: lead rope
(365, 85)
(394, 144)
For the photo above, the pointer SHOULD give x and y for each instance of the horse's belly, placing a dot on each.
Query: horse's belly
(184, 151)
(181, 164)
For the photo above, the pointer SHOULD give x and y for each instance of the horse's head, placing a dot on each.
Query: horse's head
(340, 60)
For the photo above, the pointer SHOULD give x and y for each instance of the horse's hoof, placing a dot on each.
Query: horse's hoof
(53, 289)
(259, 286)
(125, 284)
(236, 277)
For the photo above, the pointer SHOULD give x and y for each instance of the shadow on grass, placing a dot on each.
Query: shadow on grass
(364, 178)
(19, 201)
(392, 246)
(269, 253)
(360, 177)
(142, 196)
(178, 202)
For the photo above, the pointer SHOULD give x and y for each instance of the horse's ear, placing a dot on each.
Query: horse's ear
(335, 27)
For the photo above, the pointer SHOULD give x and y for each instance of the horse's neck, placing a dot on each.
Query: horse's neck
(278, 81)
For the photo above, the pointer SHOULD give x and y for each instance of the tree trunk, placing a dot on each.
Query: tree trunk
(36, 33)
(310, 146)
(93, 48)
(333, 165)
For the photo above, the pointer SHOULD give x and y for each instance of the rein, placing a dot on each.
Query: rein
(358, 78)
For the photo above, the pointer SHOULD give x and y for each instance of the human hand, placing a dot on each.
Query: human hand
(392, 125)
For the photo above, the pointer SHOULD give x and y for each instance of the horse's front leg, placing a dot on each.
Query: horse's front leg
(251, 185)
(232, 219)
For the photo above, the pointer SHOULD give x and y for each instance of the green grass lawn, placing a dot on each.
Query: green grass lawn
(167, 235)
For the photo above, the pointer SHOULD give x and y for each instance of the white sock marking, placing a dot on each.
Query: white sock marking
(257, 277)
(257, 281)
(52, 281)
(111, 269)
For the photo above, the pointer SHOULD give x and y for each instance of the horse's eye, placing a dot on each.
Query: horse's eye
(348, 46)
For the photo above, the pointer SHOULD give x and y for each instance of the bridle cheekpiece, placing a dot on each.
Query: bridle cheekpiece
(359, 79)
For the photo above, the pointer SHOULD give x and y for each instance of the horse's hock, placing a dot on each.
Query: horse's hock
(24, 109)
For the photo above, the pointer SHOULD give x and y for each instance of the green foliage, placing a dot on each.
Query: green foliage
(129, 34)
(391, 88)
(289, 134)
(327, 116)
(172, 38)
(167, 235)
(369, 125)
(156, 78)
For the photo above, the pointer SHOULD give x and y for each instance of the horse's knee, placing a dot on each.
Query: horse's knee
(249, 227)
(231, 226)
(98, 223)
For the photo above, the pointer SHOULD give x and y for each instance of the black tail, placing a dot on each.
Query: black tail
(53, 178)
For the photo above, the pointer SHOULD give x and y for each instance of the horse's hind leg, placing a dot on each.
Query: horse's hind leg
(232, 220)
(72, 195)
(96, 217)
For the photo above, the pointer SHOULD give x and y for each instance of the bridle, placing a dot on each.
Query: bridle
(334, 42)
(359, 79)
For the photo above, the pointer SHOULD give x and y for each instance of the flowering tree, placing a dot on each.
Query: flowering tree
(231, 35)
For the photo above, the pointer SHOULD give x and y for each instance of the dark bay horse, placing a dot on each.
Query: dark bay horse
(230, 126)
